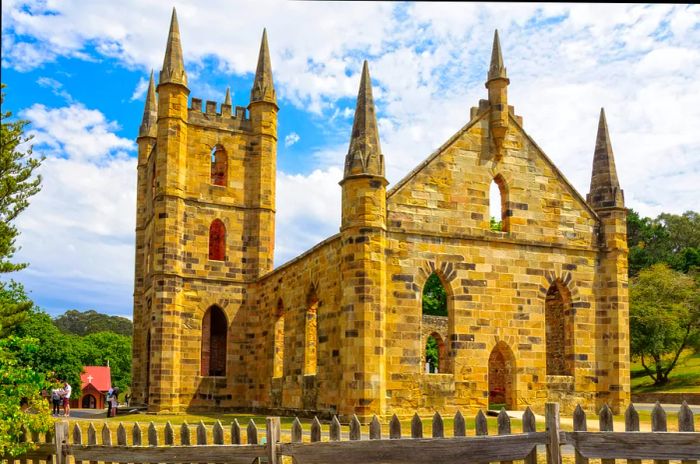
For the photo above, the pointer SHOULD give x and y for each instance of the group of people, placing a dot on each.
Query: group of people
(61, 397)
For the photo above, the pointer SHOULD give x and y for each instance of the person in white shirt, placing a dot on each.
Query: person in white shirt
(66, 399)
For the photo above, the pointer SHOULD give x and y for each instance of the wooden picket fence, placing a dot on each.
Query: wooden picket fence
(351, 445)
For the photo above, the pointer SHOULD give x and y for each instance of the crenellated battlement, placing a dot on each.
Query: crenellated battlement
(225, 119)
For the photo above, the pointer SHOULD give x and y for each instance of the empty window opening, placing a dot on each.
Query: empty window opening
(153, 180)
(434, 297)
(311, 346)
(217, 241)
(435, 359)
(498, 210)
(219, 166)
(558, 331)
(501, 375)
(278, 351)
(214, 330)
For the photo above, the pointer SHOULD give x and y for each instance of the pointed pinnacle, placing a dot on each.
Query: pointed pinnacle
(173, 64)
(150, 111)
(227, 99)
(263, 86)
(496, 70)
(605, 186)
(365, 153)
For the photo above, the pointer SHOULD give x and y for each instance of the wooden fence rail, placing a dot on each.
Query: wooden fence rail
(382, 444)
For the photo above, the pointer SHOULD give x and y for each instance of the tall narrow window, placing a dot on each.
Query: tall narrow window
(217, 241)
(435, 326)
(153, 180)
(559, 331)
(213, 355)
(219, 166)
(311, 345)
(278, 351)
(498, 209)
(148, 257)
(435, 359)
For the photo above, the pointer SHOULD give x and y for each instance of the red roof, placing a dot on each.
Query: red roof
(99, 376)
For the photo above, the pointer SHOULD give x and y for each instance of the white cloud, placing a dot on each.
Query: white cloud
(140, 89)
(78, 233)
(56, 88)
(308, 211)
(291, 139)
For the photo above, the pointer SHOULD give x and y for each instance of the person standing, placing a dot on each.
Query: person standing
(56, 401)
(67, 390)
(109, 402)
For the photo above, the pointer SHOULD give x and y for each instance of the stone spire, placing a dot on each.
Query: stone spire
(263, 87)
(364, 154)
(150, 112)
(605, 188)
(497, 70)
(227, 99)
(173, 71)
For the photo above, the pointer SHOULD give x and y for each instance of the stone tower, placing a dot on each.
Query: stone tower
(607, 199)
(205, 228)
(363, 269)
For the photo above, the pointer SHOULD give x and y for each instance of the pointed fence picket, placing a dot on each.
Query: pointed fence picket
(386, 442)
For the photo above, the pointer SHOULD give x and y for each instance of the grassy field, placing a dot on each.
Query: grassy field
(685, 377)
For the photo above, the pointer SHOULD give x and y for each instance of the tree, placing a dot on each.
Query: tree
(434, 297)
(495, 225)
(22, 407)
(57, 354)
(17, 185)
(103, 348)
(670, 238)
(664, 318)
(89, 322)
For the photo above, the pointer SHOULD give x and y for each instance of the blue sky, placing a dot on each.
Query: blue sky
(78, 71)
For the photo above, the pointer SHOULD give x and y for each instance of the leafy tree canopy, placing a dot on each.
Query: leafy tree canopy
(103, 348)
(21, 402)
(434, 297)
(664, 318)
(90, 322)
(17, 182)
(670, 238)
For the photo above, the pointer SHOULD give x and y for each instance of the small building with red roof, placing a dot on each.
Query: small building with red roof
(95, 382)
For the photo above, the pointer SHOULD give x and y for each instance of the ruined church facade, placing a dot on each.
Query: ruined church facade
(536, 311)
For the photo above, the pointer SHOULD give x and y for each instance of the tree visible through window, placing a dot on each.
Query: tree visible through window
(498, 210)
(434, 297)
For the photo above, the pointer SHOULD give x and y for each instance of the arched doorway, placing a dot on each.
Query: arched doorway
(89, 402)
(501, 377)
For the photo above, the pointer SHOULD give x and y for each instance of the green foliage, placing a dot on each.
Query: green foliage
(434, 297)
(57, 354)
(22, 407)
(670, 238)
(664, 318)
(14, 307)
(431, 353)
(496, 225)
(90, 322)
(102, 348)
(17, 183)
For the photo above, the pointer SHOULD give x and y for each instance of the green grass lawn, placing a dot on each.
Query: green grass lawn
(685, 377)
